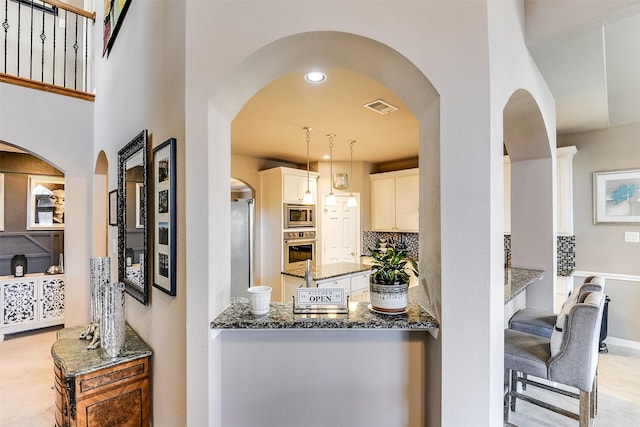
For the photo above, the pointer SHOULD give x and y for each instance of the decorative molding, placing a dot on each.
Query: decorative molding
(621, 342)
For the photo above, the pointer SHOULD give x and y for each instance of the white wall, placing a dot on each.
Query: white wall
(59, 129)
(447, 42)
(140, 85)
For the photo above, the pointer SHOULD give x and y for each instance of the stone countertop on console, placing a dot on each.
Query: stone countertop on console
(329, 271)
(516, 280)
(71, 354)
(238, 317)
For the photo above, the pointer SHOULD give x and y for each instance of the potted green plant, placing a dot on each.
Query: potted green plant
(389, 280)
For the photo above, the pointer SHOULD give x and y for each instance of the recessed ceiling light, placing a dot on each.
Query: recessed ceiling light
(315, 77)
(326, 157)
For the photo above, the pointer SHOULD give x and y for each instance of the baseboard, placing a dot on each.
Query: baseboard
(620, 342)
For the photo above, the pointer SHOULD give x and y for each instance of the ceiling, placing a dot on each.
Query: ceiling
(587, 52)
(271, 124)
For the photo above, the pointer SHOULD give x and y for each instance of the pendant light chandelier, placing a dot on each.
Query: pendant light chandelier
(351, 201)
(331, 198)
(308, 197)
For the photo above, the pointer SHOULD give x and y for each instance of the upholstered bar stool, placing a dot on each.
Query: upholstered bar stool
(542, 322)
(569, 357)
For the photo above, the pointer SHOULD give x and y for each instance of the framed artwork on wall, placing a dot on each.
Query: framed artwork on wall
(113, 207)
(45, 203)
(340, 181)
(616, 197)
(164, 206)
(114, 12)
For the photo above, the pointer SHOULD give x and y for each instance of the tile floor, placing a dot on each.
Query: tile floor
(27, 394)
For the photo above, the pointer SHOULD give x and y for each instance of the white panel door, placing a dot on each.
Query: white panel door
(340, 232)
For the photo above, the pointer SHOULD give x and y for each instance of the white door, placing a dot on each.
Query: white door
(341, 231)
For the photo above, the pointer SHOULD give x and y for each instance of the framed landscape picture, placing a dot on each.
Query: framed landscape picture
(164, 205)
(616, 197)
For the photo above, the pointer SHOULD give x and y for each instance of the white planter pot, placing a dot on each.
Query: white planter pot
(388, 298)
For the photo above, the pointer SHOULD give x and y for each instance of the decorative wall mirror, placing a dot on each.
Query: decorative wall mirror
(132, 217)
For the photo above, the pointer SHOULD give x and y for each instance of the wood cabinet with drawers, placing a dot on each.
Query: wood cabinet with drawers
(92, 391)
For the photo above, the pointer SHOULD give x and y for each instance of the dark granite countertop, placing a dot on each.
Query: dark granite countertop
(516, 280)
(71, 354)
(329, 271)
(280, 316)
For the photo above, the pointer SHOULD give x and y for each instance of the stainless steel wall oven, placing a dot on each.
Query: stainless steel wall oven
(299, 246)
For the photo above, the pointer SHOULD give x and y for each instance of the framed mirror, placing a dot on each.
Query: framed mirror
(132, 217)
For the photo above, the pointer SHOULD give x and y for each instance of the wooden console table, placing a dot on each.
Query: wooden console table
(92, 391)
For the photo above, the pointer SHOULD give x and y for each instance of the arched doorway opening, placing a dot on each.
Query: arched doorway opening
(361, 55)
(32, 241)
(532, 213)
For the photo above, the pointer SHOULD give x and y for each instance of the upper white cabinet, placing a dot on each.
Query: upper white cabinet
(295, 185)
(395, 201)
(564, 191)
(277, 186)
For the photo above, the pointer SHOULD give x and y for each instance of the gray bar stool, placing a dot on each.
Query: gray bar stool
(568, 357)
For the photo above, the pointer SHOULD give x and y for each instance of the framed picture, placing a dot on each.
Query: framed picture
(616, 197)
(114, 11)
(164, 205)
(340, 181)
(113, 207)
(45, 203)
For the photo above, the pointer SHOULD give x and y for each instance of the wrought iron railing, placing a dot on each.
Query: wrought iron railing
(48, 45)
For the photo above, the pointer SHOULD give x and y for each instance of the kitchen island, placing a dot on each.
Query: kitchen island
(369, 366)
(516, 281)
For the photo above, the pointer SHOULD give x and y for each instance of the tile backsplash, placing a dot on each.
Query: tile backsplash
(371, 239)
(565, 256)
(566, 247)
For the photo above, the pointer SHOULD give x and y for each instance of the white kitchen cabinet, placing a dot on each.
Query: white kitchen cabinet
(277, 186)
(339, 282)
(360, 282)
(295, 186)
(30, 302)
(564, 191)
(355, 285)
(395, 201)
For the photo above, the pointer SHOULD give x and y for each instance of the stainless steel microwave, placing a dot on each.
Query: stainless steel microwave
(298, 216)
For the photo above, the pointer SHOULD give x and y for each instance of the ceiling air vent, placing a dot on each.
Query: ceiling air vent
(381, 107)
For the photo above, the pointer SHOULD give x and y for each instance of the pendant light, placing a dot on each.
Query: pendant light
(351, 201)
(308, 197)
(331, 198)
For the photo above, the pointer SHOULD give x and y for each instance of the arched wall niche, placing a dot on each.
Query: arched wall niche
(101, 206)
(533, 228)
(319, 49)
